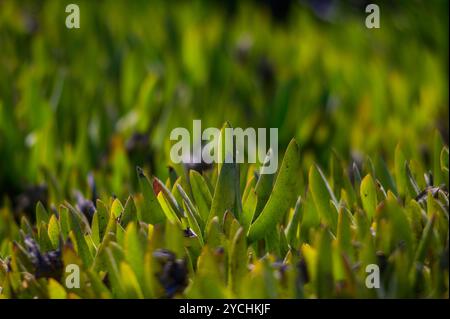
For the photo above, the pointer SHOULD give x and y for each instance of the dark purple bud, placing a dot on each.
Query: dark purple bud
(189, 233)
(174, 274)
(46, 265)
(85, 206)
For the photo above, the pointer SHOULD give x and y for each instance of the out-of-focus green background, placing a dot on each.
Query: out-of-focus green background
(103, 98)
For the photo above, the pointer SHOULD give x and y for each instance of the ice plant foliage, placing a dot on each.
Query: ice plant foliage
(278, 235)
(94, 204)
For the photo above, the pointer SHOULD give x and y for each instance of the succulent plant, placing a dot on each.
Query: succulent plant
(362, 117)
(289, 240)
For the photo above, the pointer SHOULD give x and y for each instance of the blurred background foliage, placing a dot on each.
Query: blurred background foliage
(103, 98)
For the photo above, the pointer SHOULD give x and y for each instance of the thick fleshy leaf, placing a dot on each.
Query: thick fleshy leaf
(263, 186)
(53, 231)
(116, 208)
(368, 195)
(214, 236)
(81, 245)
(344, 235)
(237, 260)
(64, 221)
(55, 290)
(129, 212)
(224, 194)
(192, 215)
(114, 276)
(152, 212)
(202, 195)
(103, 218)
(41, 214)
(134, 250)
(323, 196)
(249, 209)
(324, 274)
(170, 198)
(425, 240)
(294, 225)
(131, 287)
(282, 197)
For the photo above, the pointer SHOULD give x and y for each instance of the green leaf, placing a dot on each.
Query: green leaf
(167, 209)
(187, 201)
(202, 195)
(64, 221)
(79, 216)
(264, 185)
(272, 241)
(150, 283)
(174, 238)
(120, 233)
(169, 198)
(114, 277)
(112, 225)
(249, 209)
(234, 227)
(214, 235)
(412, 186)
(152, 212)
(41, 214)
(25, 226)
(103, 218)
(172, 175)
(283, 195)
(362, 225)
(53, 231)
(100, 262)
(192, 215)
(44, 241)
(294, 225)
(425, 240)
(224, 194)
(98, 287)
(337, 172)
(368, 195)
(324, 273)
(129, 212)
(116, 208)
(134, 251)
(130, 283)
(344, 236)
(322, 196)
(228, 219)
(81, 245)
(384, 175)
(237, 260)
(250, 186)
(401, 232)
(284, 246)
(225, 146)
(208, 281)
(95, 232)
(55, 290)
